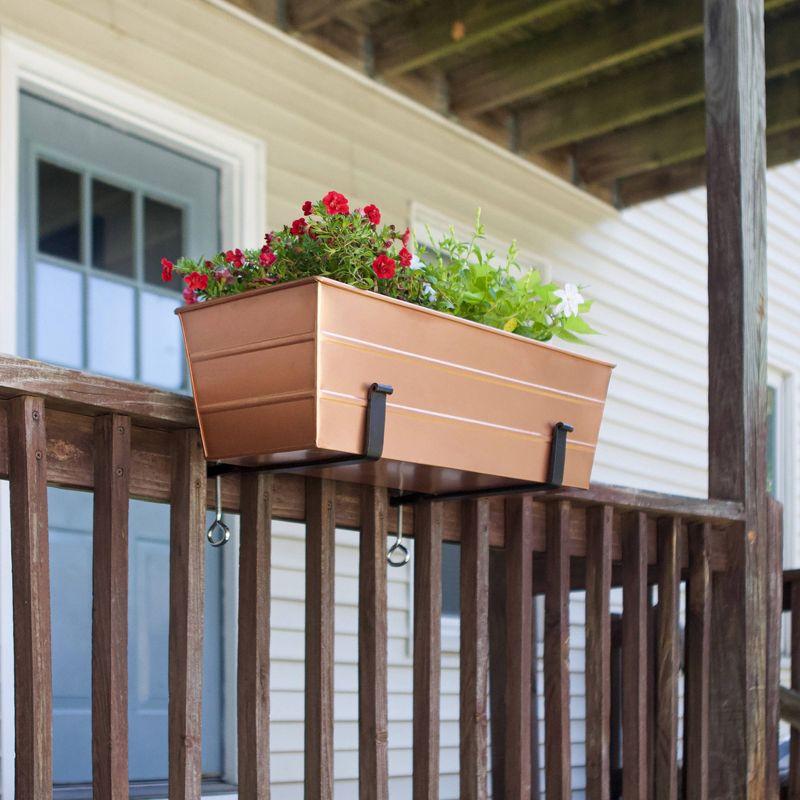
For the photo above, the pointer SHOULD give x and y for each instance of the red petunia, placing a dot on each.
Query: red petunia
(196, 281)
(189, 296)
(307, 208)
(299, 227)
(406, 237)
(383, 266)
(267, 257)
(269, 238)
(373, 214)
(405, 257)
(166, 269)
(336, 203)
(235, 257)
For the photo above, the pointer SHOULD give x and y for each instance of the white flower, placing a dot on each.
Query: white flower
(416, 262)
(429, 292)
(571, 300)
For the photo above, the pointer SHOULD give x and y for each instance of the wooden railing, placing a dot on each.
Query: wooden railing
(121, 440)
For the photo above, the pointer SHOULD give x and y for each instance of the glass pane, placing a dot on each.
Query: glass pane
(112, 228)
(163, 237)
(111, 329)
(58, 315)
(59, 195)
(160, 341)
(772, 440)
(451, 579)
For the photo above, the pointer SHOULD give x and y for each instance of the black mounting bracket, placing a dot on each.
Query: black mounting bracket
(373, 442)
(374, 429)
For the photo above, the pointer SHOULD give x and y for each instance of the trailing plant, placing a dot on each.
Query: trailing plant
(354, 247)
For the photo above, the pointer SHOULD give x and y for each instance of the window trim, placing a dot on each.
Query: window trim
(241, 160)
(782, 380)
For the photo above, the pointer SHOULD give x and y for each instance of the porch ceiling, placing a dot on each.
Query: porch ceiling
(607, 93)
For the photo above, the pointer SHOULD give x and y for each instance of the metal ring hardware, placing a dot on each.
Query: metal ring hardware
(218, 532)
(398, 555)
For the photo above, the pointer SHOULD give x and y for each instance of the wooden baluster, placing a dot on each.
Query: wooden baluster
(30, 566)
(427, 648)
(112, 458)
(498, 669)
(667, 659)
(634, 655)
(373, 703)
(519, 635)
(773, 641)
(599, 528)
(254, 633)
(186, 578)
(698, 664)
(474, 657)
(558, 763)
(794, 741)
(320, 545)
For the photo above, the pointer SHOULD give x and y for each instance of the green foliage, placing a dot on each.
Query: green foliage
(448, 275)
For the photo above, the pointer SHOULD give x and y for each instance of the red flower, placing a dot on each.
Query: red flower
(235, 257)
(166, 269)
(267, 257)
(336, 203)
(406, 237)
(189, 296)
(373, 214)
(196, 281)
(307, 208)
(383, 266)
(268, 239)
(298, 227)
(405, 257)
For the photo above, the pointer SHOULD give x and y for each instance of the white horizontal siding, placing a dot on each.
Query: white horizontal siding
(325, 128)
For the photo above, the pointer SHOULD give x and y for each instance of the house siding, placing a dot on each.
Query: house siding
(326, 127)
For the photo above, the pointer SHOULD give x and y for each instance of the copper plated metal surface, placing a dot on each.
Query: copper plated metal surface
(281, 374)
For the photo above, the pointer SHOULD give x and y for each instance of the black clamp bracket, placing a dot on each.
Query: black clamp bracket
(375, 426)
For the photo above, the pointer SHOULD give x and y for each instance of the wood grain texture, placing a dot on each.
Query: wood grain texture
(668, 660)
(519, 627)
(773, 644)
(474, 654)
(112, 457)
(635, 779)
(600, 523)
(697, 665)
(498, 668)
(320, 547)
(737, 292)
(30, 575)
(427, 648)
(253, 678)
(82, 392)
(558, 762)
(186, 596)
(373, 642)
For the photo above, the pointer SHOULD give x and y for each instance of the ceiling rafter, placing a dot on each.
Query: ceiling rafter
(781, 147)
(307, 15)
(598, 42)
(618, 101)
(447, 30)
(674, 138)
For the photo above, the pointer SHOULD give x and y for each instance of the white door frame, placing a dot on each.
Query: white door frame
(241, 159)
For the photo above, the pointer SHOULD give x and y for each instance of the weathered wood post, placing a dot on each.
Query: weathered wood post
(737, 288)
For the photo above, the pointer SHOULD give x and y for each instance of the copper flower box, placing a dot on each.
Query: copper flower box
(281, 375)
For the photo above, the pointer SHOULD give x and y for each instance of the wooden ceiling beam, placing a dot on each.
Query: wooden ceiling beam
(598, 42)
(618, 101)
(782, 148)
(307, 15)
(414, 40)
(673, 138)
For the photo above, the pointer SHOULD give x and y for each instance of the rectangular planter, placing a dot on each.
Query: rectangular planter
(281, 375)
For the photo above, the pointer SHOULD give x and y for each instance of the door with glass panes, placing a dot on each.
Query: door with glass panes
(99, 207)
